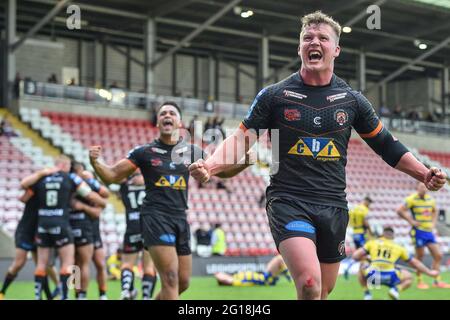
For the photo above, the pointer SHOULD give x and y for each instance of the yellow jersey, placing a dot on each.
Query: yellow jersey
(384, 253)
(248, 278)
(357, 215)
(422, 210)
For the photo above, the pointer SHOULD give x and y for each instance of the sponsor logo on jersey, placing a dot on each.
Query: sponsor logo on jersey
(156, 162)
(169, 238)
(301, 226)
(341, 117)
(292, 114)
(158, 150)
(172, 166)
(172, 181)
(317, 121)
(319, 148)
(293, 94)
(337, 96)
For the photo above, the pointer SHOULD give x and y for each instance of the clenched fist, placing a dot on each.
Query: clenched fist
(200, 171)
(435, 179)
(95, 153)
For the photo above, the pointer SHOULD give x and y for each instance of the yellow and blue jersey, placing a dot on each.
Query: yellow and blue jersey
(422, 210)
(384, 254)
(357, 216)
(248, 278)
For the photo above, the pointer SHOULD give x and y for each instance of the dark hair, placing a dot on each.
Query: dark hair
(170, 103)
(73, 164)
(368, 199)
(388, 229)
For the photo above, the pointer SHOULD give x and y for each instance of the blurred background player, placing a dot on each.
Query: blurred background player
(99, 256)
(274, 269)
(54, 188)
(113, 265)
(25, 241)
(382, 269)
(360, 225)
(423, 220)
(132, 192)
(82, 217)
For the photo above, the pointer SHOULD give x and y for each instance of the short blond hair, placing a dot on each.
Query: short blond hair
(319, 17)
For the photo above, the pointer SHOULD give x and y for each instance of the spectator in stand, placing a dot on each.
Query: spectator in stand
(413, 115)
(203, 238)
(16, 85)
(52, 78)
(114, 85)
(72, 82)
(384, 111)
(398, 112)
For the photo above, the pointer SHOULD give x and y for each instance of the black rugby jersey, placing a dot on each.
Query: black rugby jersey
(314, 124)
(80, 217)
(132, 198)
(53, 193)
(28, 221)
(166, 174)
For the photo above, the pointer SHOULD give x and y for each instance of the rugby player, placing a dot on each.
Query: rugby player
(313, 111)
(360, 225)
(423, 220)
(164, 165)
(54, 189)
(382, 269)
(132, 192)
(99, 255)
(25, 241)
(274, 269)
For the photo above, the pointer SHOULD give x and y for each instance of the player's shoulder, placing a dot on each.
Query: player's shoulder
(342, 85)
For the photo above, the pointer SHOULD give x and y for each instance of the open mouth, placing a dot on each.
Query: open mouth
(167, 123)
(314, 55)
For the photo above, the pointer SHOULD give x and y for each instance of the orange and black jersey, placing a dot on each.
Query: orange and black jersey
(314, 124)
(53, 194)
(166, 174)
(132, 198)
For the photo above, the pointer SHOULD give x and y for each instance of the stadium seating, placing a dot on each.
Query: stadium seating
(244, 222)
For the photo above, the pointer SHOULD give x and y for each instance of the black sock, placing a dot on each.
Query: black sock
(38, 286)
(64, 287)
(46, 289)
(127, 279)
(9, 278)
(148, 286)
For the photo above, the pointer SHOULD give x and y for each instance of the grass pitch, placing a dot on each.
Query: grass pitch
(206, 288)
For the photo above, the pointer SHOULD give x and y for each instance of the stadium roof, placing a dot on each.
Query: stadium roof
(404, 25)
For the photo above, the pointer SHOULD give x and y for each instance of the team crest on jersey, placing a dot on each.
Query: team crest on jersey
(172, 181)
(319, 148)
(293, 94)
(292, 114)
(341, 117)
(156, 162)
(158, 150)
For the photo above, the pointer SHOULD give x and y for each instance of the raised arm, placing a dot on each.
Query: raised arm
(391, 150)
(110, 174)
(229, 158)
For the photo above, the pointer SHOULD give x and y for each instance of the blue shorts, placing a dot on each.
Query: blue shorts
(359, 239)
(385, 278)
(422, 238)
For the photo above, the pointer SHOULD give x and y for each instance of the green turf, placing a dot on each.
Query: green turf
(206, 288)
